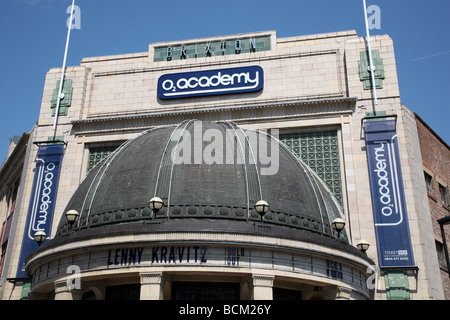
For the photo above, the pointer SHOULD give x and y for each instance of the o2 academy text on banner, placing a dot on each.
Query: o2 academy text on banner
(42, 200)
(388, 198)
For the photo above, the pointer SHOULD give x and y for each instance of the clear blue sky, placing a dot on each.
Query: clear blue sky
(33, 35)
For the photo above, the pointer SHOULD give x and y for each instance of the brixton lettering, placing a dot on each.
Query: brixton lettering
(212, 48)
(208, 50)
(211, 82)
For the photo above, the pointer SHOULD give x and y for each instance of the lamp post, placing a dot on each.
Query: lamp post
(338, 224)
(363, 245)
(262, 207)
(40, 237)
(155, 204)
(72, 216)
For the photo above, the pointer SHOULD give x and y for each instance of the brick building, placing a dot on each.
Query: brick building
(436, 165)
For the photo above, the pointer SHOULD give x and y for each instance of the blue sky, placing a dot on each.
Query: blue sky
(33, 35)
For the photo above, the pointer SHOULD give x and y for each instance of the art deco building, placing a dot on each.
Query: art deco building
(222, 168)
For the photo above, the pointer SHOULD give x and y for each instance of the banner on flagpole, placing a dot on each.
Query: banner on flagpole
(388, 198)
(42, 200)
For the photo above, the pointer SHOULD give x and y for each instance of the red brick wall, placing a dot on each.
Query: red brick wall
(436, 158)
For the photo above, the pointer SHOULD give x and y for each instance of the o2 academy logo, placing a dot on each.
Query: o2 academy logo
(210, 82)
(387, 184)
(43, 198)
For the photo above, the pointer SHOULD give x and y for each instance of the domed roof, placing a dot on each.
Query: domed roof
(209, 176)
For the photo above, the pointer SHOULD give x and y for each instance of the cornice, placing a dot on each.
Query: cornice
(169, 113)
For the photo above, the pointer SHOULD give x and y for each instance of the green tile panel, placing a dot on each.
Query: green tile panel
(198, 50)
(364, 73)
(397, 285)
(66, 101)
(320, 151)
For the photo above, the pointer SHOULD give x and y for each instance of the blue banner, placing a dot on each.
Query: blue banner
(388, 198)
(42, 200)
(210, 82)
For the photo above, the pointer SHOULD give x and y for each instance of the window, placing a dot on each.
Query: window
(334, 269)
(320, 152)
(3, 256)
(428, 179)
(443, 193)
(6, 226)
(441, 255)
(97, 155)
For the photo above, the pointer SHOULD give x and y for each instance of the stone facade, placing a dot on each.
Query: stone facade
(311, 83)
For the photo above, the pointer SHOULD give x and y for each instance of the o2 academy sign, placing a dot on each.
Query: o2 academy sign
(210, 82)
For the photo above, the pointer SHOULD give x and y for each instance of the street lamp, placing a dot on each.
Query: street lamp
(72, 216)
(338, 224)
(155, 204)
(262, 207)
(363, 245)
(40, 237)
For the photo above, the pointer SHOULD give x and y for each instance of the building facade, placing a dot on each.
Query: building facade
(311, 93)
(12, 170)
(436, 163)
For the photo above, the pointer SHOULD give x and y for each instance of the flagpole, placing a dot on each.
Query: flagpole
(371, 66)
(63, 71)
